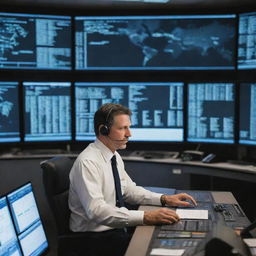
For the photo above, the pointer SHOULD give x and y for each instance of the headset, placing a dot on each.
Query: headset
(105, 129)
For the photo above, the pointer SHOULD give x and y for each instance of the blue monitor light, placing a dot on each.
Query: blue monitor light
(9, 241)
(211, 112)
(246, 57)
(155, 42)
(33, 41)
(152, 119)
(47, 111)
(27, 221)
(9, 112)
(247, 124)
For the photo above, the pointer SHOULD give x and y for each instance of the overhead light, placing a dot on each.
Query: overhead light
(156, 1)
(145, 1)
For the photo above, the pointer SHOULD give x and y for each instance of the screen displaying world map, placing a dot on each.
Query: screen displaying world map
(156, 42)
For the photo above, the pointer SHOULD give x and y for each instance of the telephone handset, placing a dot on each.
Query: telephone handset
(209, 158)
(249, 231)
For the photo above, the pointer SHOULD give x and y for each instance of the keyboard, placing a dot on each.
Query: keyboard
(199, 196)
(175, 244)
(189, 225)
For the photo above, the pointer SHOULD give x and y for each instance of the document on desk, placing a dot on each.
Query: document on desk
(166, 252)
(192, 214)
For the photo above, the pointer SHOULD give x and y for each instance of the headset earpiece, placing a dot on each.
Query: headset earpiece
(104, 130)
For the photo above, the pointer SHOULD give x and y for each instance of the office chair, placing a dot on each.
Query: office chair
(56, 184)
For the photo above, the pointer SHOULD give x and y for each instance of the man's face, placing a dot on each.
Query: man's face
(119, 132)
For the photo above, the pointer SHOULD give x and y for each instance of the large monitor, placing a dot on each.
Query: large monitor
(185, 42)
(47, 111)
(31, 41)
(9, 112)
(27, 221)
(247, 130)
(157, 108)
(246, 55)
(211, 109)
(9, 244)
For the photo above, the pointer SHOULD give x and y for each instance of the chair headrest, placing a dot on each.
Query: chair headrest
(56, 173)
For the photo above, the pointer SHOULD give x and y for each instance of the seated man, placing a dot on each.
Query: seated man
(99, 186)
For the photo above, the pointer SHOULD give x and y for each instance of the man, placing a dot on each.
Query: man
(93, 192)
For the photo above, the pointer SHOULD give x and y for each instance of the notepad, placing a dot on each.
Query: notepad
(192, 214)
(166, 252)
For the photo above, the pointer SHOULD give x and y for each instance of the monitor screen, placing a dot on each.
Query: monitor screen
(30, 41)
(27, 221)
(187, 42)
(211, 109)
(9, 112)
(9, 244)
(247, 134)
(47, 111)
(157, 108)
(246, 55)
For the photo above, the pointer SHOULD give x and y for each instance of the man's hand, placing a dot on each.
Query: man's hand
(182, 200)
(160, 216)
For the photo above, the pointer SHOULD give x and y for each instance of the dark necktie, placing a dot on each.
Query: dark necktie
(119, 196)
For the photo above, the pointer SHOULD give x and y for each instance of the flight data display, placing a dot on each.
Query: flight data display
(30, 41)
(211, 109)
(9, 112)
(246, 41)
(155, 42)
(247, 134)
(47, 111)
(157, 108)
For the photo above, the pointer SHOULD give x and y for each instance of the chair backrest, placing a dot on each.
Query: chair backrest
(56, 183)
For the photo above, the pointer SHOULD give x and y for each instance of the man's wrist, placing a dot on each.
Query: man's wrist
(163, 200)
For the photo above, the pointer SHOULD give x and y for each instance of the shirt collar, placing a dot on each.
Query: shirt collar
(105, 151)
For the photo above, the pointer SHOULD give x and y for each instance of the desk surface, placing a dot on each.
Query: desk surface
(142, 236)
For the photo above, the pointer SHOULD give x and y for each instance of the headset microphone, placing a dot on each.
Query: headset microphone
(116, 140)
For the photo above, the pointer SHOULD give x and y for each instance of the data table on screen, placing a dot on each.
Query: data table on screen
(152, 119)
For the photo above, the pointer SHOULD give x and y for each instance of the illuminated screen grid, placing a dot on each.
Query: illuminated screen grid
(211, 112)
(246, 41)
(247, 133)
(47, 111)
(155, 42)
(30, 41)
(152, 119)
(9, 112)
(27, 221)
(8, 237)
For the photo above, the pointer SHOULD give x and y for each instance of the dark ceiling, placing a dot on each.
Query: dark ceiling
(225, 5)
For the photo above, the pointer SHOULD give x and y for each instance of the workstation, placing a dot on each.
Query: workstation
(186, 69)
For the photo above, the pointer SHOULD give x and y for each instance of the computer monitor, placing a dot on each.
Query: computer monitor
(246, 56)
(9, 112)
(27, 221)
(247, 128)
(211, 108)
(9, 244)
(47, 114)
(157, 108)
(32, 41)
(181, 42)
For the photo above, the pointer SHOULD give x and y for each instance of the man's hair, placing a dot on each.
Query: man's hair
(106, 113)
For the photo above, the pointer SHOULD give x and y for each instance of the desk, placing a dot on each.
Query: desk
(220, 169)
(142, 235)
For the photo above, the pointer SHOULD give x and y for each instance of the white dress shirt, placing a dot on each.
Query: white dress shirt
(92, 198)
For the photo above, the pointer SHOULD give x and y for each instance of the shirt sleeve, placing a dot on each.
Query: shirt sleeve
(88, 186)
